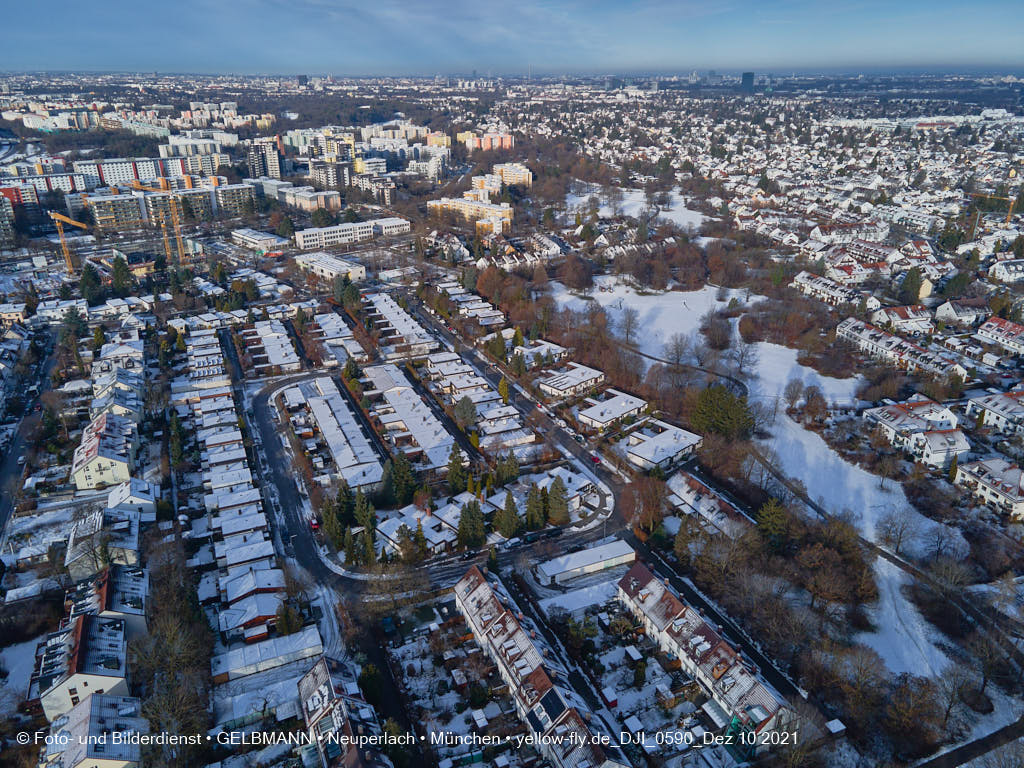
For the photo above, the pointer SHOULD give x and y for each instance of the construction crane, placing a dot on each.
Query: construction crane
(1009, 214)
(60, 220)
(172, 205)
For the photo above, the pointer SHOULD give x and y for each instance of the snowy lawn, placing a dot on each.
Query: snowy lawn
(661, 314)
(634, 202)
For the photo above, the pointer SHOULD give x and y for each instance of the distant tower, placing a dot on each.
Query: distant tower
(747, 82)
(302, 79)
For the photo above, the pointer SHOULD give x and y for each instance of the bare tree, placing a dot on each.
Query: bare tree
(793, 392)
(629, 322)
(898, 528)
(951, 683)
(677, 348)
(746, 357)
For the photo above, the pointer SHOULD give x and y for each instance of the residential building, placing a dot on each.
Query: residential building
(609, 408)
(656, 443)
(328, 267)
(996, 482)
(101, 538)
(1000, 411)
(105, 455)
(1004, 333)
(545, 708)
(98, 732)
(739, 700)
(574, 379)
(88, 656)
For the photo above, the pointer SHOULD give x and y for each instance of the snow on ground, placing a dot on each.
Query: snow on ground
(578, 600)
(802, 455)
(902, 637)
(661, 314)
(18, 660)
(777, 365)
(634, 202)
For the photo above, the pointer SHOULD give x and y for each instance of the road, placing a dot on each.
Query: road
(9, 467)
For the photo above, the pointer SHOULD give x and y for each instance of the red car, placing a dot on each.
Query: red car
(595, 458)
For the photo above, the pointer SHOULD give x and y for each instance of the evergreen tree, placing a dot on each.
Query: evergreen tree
(719, 410)
(351, 554)
(456, 471)
(345, 504)
(120, 277)
(503, 390)
(517, 339)
(507, 521)
(363, 511)
(534, 509)
(98, 339)
(471, 531)
(773, 523)
(558, 504)
(89, 285)
(403, 479)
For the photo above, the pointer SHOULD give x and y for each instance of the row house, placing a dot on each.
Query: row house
(996, 482)
(738, 695)
(1004, 333)
(832, 293)
(896, 351)
(1002, 411)
(563, 732)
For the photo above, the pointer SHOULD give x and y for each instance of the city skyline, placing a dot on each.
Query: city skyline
(393, 37)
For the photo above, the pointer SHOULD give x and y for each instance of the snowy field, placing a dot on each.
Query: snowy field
(634, 203)
(661, 314)
(906, 644)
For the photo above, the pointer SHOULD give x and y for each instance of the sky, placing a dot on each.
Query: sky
(543, 36)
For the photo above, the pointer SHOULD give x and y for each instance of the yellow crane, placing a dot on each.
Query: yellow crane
(1009, 213)
(172, 205)
(60, 220)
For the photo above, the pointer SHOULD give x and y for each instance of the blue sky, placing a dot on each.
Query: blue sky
(551, 36)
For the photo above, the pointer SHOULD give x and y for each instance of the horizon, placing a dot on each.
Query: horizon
(394, 38)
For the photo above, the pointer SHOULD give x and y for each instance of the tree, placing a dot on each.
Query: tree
(681, 543)
(289, 620)
(898, 528)
(456, 470)
(558, 504)
(535, 517)
(503, 390)
(507, 519)
(471, 531)
(403, 480)
(643, 502)
(286, 228)
(465, 412)
(793, 392)
(629, 322)
(98, 339)
(677, 348)
(773, 523)
(910, 288)
(120, 277)
(89, 285)
(719, 410)
(338, 286)
(913, 716)
(321, 217)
